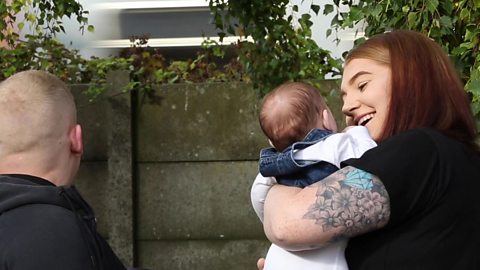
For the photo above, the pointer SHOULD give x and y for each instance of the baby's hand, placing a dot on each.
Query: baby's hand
(349, 121)
(347, 128)
(261, 263)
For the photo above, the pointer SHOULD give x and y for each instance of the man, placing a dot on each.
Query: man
(44, 221)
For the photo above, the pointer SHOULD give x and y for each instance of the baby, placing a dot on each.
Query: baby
(301, 128)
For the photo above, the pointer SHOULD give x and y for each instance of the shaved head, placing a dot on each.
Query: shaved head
(37, 124)
(35, 108)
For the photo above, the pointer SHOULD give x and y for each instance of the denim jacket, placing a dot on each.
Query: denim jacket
(291, 172)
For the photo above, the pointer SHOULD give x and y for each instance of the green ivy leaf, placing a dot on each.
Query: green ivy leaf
(327, 9)
(31, 17)
(471, 32)
(446, 21)
(460, 50)
(464, 14)
(356, 14)
(473, 87)
(315, 8)
(475, 108)
(306, 17)
(477, 3)
(412, 20)
(377, 11)
(448, 6)
(432, 5)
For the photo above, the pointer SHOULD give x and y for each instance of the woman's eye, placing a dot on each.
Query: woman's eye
(362, 85)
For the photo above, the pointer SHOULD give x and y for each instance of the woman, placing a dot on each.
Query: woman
(412, 202)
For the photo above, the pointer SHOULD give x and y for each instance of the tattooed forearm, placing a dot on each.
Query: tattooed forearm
(351, 202)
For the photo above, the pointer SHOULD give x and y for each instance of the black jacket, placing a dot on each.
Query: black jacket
(43, 226)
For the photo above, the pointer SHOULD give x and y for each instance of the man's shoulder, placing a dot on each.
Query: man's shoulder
(32, 219)
(44, 236)
(41, 209)
(39, 233)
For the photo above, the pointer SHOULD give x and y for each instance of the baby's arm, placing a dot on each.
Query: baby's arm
(259, 192)
(339, 147)
(361, 140)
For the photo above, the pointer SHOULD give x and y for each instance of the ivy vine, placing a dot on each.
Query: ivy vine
(276, 46)
(39, 49)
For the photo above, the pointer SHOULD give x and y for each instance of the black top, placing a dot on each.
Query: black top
(433, 183)
(43, 226)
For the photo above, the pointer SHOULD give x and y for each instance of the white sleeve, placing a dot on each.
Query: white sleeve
(259, 192)
(339, 146)
(361, 140)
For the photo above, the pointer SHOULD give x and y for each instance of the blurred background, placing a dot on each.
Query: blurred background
(177, 26)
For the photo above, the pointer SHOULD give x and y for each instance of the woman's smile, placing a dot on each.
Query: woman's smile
(366, 95)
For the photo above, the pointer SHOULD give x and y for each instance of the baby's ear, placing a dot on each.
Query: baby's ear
(271, 144)
(328, 120)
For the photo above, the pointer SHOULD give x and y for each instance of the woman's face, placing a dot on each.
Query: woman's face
(366, 91)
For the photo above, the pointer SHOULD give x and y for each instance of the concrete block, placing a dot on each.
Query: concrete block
(214, 121)
(211, 121)
(201, 254)
(91, 115)
(195, 200)
(120, 170)
(107, 134)
(92, 183)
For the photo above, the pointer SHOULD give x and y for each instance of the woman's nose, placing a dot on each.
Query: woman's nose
(349, 106)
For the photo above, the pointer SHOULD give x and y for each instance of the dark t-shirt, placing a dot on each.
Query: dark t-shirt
(434, 187)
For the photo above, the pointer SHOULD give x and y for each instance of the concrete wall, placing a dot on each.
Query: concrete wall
(106, 172)
(175, 193)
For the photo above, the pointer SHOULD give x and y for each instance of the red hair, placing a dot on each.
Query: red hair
(426, 89)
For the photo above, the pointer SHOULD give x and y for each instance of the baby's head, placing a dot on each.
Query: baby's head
(290, 111)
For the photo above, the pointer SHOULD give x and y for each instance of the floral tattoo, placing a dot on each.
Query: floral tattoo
(350, 201)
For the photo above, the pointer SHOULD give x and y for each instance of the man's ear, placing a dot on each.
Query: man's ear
(328, 120)
(76, 140)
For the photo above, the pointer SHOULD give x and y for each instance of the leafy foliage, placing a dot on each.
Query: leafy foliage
(43, 54)
(455, 24)
(146, 66)
(273, 50)
(38, 49)
(42, 17)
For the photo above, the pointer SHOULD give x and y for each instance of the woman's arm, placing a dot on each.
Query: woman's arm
(347, 203)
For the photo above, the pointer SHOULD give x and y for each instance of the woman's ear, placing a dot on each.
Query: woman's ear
(328, 120)
(76, 140)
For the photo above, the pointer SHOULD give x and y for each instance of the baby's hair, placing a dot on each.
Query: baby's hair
(289, 112)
